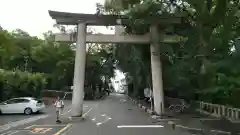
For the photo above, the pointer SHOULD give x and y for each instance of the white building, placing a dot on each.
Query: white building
(119, 82)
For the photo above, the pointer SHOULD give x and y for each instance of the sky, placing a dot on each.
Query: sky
(32, 15)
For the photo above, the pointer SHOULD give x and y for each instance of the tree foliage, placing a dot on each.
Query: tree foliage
(199, 68)
(18, 83)
(30, 57)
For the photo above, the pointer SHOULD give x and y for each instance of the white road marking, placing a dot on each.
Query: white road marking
(98, 124)
(67, 112)
(87, 112)
(155, 117)
(106, 120)
(6, 133)
(70, 118)
(94, 119)
(21, 122)
(47, 126)
(63, 129)
(13, 132)
(140, 126)
(167, 119)
(181, 126)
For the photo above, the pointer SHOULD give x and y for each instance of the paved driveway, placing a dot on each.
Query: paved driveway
(114, 115)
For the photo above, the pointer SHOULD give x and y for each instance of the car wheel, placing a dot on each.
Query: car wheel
(0, 111)
(28, 111)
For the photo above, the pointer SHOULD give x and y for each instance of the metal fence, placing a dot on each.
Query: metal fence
(217, 110)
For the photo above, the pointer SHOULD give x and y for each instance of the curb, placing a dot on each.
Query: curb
(146, 109)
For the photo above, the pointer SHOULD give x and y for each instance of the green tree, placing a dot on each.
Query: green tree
(190, 68)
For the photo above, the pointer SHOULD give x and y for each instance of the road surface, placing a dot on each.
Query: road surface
(115, 115)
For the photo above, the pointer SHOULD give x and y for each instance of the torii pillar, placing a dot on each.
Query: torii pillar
(157, 81)
(79, 70)
(82, 20)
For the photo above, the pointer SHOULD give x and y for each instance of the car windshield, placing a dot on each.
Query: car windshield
(38, 100)
(34, 99)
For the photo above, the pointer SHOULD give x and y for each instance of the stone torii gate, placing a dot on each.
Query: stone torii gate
(154, 38)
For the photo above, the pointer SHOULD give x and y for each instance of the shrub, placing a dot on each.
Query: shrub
(19, 84)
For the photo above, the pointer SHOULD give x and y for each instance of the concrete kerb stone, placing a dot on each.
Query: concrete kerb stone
(146, 109)
(150, 111)
(200, 130)
(75, 119)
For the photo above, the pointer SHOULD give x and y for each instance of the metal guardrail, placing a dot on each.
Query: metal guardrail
(214, 110)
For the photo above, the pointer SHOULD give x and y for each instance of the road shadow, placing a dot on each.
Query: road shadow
(8, 118)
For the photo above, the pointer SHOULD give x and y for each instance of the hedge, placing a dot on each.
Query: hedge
(90, 94)
(19, 84)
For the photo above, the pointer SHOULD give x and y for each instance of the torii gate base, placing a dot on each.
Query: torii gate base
(82, 20)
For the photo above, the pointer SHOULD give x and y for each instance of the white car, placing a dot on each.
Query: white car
(26, 105)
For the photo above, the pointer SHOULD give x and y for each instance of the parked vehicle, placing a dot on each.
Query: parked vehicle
(26, 105)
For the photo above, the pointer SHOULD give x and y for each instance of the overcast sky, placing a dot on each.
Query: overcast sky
(32, 15)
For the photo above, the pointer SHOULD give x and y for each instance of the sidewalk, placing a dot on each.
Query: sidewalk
(194, 122)
(206, 125)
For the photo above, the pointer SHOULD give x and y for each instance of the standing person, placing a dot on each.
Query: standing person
(108, 92)
(147, 94)
(59, 108)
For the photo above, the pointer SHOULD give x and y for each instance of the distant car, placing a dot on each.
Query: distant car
(121, 91)
(26, 105)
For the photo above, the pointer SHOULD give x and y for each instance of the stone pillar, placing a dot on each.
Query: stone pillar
(79, 71)
(158, 94)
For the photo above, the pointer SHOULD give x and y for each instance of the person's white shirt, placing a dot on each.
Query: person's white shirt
(147, 92)
(59, 103)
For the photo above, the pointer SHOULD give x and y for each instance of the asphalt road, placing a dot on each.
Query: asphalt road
(113, 116)
(8, 118)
